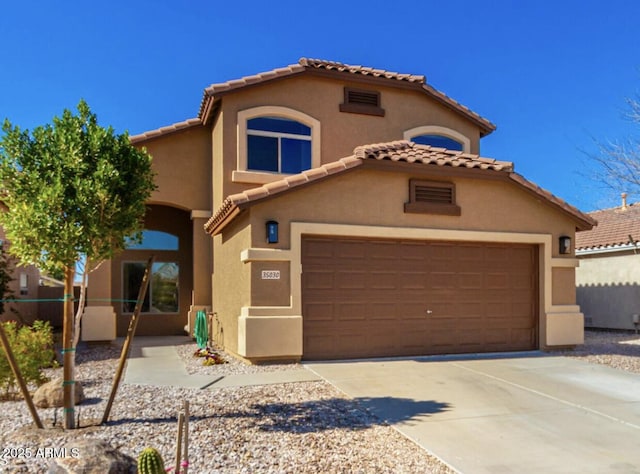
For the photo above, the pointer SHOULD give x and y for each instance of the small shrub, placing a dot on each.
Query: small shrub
(32, 347)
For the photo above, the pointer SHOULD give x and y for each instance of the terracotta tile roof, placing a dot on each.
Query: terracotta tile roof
(194, 122)
(403, 150)
(614, 228)
(397, 151)
(212, 93)
(363, 70)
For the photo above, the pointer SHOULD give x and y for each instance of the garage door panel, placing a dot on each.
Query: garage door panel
(410, 311)
(413, 280)
(350, 311)
(319, 280)
(322, 311)
(468, 281)
(348, 249)
(378, 280)
(367, 298)
(447, 280)
(350, 279)
(497, 281)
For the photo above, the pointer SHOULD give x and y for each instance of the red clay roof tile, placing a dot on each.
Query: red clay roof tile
(403, 150)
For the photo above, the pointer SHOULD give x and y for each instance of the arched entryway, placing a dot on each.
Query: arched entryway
(168, 235)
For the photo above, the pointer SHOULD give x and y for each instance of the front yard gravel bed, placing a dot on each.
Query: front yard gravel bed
(305, 427)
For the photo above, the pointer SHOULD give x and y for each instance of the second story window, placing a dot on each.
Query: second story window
(275, 141)
(440, 137)
(278, 145)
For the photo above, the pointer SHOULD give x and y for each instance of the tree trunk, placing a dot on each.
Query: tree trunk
(67, 350)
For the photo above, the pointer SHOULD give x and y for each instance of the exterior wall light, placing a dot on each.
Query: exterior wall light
(565, 245)
(272, 232)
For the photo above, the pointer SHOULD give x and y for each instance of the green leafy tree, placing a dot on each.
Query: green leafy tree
(75, 191)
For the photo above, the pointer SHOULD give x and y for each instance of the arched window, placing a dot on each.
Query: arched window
(155, 240)
(273, 141)
(438, 141)
(278, 145)
(437, 136)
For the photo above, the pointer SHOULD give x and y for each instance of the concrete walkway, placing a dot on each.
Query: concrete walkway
(155, 361)
(534, 414)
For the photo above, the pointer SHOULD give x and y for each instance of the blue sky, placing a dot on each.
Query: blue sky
(552, 75)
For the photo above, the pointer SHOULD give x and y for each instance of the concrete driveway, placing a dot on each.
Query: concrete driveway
(524, 413)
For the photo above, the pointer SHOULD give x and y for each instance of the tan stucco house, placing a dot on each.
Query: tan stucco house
(608, 278)
(323, 211)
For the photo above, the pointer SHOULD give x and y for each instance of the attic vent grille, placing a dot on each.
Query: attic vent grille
(434, 194)
(359, 101)
(363, 97)
(432, 197)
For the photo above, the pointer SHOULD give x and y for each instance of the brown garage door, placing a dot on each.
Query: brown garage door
(371, 298)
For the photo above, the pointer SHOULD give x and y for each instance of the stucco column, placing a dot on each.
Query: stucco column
(99, 318)
(202, 264)
(99, 286)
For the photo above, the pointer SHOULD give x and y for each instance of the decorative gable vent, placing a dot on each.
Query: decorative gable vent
(434, 194)
(359, 101)
(362, 97)
(432, 197)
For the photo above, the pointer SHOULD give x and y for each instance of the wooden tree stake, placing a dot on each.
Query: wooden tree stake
(133, 324)
(179, 442)
(185, 469)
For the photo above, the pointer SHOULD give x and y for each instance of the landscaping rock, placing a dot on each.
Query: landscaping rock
(51, 394)
(92, 457)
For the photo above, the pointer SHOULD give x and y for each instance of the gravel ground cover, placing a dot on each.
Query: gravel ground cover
(305, 427)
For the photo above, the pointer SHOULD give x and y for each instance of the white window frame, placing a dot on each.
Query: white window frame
(279, 136)
(442, 131)
(243, 175)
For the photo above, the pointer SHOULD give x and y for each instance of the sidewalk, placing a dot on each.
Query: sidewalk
(155, 361)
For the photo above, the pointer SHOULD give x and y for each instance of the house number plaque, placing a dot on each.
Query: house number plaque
(270, 274)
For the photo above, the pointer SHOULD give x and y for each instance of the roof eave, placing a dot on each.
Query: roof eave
(163, 131)
(215, 227)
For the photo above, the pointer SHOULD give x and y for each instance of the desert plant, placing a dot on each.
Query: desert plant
(211, 357)
(150, 462)
(32, 347)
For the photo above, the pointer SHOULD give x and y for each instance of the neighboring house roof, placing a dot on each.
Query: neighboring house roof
(332, 68)
(618, 229)
(397, 151)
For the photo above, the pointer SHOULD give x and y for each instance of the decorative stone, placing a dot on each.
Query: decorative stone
(92, 457)
(51, 394)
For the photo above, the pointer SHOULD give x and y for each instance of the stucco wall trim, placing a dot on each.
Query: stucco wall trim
(565, 262)
(199, 214)
(265, 255)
